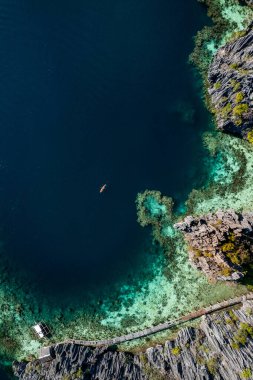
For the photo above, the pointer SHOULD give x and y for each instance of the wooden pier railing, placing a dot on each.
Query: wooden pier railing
(162, 326)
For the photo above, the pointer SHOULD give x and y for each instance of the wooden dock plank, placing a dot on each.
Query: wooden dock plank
(162, 326)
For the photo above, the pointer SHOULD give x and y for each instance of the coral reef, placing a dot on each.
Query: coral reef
(156, 210)
(229, 17)
(219, 244)
(222, 348)
(231, 182)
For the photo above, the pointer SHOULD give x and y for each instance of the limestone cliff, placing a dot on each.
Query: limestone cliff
(230, 86)
(222, 348)
(219, 244)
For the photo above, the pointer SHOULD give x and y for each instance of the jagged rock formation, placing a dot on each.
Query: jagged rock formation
(231, 86)
(219, 244)
(77, 362)
(221, 349)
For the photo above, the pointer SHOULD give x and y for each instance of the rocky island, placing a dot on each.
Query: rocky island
(219, 244)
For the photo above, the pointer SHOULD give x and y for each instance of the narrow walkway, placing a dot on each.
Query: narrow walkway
(162, 326)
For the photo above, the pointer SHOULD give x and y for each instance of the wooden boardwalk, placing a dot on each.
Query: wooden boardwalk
(162, 326)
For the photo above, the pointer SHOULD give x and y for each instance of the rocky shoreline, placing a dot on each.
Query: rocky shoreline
(219, 244)
(222, 348)
(230, 81)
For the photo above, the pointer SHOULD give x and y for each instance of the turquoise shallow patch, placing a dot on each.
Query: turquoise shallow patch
(154, 207)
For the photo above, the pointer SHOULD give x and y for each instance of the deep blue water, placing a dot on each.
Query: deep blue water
(92, 91)
(3, 376)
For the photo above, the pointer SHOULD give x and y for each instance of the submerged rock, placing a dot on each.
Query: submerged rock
(230, 85)
(219, 244)
(222, 348)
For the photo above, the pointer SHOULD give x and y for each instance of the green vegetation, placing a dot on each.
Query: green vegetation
(207, 254)
(235, 346)
(217, 85)
(66, 377)
(233, 316)
(151, 372)
(176, 351)
(79, 373)
(240, 337)
(246, 373)
(238, 122)
(224, 111)
(234, 66)
(235, 85)
(226, 272)
(239, 256)
(212, 365)
(248, 328)
(244, 71)
(231, 236)
(250, 137)
(240, 109)
(224, 99)
(197, 252)
(244, 331)
(226, 247)
(239, 97)
(229, 321)
(236, 250)
(234, 257)
(204, 348)
(237, 35)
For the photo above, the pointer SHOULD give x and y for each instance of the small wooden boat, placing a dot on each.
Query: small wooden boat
(102, 189)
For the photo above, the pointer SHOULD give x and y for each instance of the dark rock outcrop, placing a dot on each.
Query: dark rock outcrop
(231, 85)
(219, 244)
(221, 349)
(249, 2)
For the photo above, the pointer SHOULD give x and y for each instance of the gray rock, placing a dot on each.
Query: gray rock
(230, 85)
(208, 352)
(249, 2)
(219, 244)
